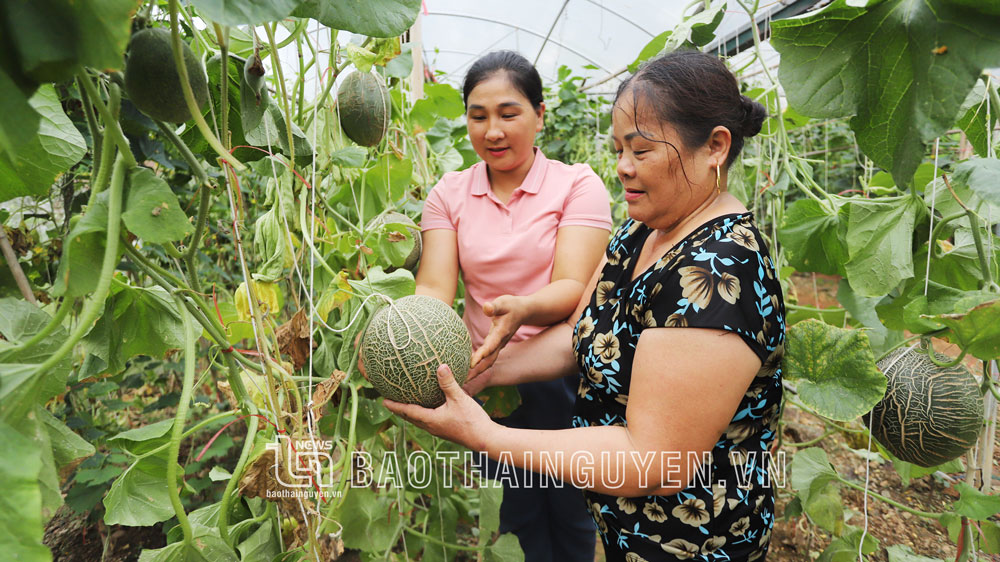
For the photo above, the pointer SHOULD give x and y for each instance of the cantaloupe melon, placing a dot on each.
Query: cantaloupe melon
(152, 81)
(393, 217)
(404, 344)
(364, 105)
(929, 415)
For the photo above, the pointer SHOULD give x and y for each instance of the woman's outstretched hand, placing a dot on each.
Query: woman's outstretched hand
(460, 419)
(508, 314)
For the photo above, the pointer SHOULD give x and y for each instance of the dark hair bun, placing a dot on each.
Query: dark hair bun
(754, 114)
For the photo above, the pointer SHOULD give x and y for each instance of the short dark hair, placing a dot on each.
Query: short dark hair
(695, 92)
(521, 73)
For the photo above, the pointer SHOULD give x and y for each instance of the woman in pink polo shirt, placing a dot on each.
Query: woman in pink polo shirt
(525, 233)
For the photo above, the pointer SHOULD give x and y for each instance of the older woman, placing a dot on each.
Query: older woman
(677, 340)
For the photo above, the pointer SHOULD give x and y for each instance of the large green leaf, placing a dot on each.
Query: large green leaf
(83, 251)
(203, 548)
(692, 32)
(903, 553)
(18, 120)
(245, 12)
(371, 522)
(21, 501)
(973, 119)
(834, 369)
(136, 321)
(506, 549)
(880, 244)
(143, 439)
(375, 18)
(260, 545)
(863, 310)
(22, 386)
(845, 547)
(811, 472)
(902, 68)
(152, 211)
(68, 448)
(975, 504)
(140, 496)
(976, 331)
(982, 175)
(813, 235)
(53, 149)
(490, 498)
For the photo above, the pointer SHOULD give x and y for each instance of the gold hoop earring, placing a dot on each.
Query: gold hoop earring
(718, 179)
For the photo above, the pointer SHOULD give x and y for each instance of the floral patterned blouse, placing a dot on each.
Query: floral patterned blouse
(720, 276)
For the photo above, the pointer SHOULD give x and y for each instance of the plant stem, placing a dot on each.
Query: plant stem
(178, 427)
(15, 268)
(281, 91)
(182, 147)
(811, 442)
(890, 501)
(435, 540)
(111, 126)
(935, 235)
(199, 120)
(227, 496)
(94, 306)
(95, 133)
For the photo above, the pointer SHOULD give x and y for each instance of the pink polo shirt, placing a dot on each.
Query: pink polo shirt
(510, 249)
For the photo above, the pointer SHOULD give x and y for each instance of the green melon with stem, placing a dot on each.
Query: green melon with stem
(929, 415)
(393, 217)
(152, 81)
(404, 344)
(364, 106)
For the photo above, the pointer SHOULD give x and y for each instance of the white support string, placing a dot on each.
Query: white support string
(930, 237)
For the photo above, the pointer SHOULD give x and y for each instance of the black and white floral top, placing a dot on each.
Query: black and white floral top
(720, 276)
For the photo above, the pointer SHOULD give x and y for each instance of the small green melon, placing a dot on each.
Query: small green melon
(404, 344)
(929, 415)
(151, 78)
(393, 217)
(364, 106)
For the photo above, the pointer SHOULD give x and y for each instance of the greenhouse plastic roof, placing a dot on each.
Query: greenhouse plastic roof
(595, 38)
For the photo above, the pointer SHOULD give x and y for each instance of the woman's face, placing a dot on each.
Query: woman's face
(652, 172)
(502, 124)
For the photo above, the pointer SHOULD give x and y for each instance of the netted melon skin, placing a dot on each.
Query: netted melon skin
(402, 365)
(929, 415)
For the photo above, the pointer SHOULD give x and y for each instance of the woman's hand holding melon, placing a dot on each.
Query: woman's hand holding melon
(460, 419)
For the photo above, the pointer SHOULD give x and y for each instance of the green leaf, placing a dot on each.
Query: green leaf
(500, 401)
(261, 545)
(140, 496)
(53, 149)
(371, 522)
(245, 12)
(68, 448)
(143, 439)
(440, 100)
(975, 504)
(389, 178)
(203, 548)
(834, 370)
(394, 285)
(973, 119)
(218, 474)
(490, 498)
(375, 18)
(349, 157)
(442, 524)
(903, 553)
(83, 251)
(18, 120)
(863, 310)
(909, 471)
(21, 385)
(982, 175)
(813, 234)
(879, 244)
(136, 321)
(194, 139)
(976, 331)
(152, 211)
(825, 509)
(506, 549)
(693, 31)
(845, 548)
(885, 65)
(811, 472)
(21, 502)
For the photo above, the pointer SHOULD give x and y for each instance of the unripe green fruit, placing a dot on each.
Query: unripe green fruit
(365, 107)
(253, 73)
(152, 81)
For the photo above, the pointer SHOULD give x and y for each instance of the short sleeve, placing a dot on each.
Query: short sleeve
(724, 281)
(588, 202)
(436, 213)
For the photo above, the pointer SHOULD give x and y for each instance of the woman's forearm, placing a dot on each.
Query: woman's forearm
(546, 356)
(552, 303)
(602, 459)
